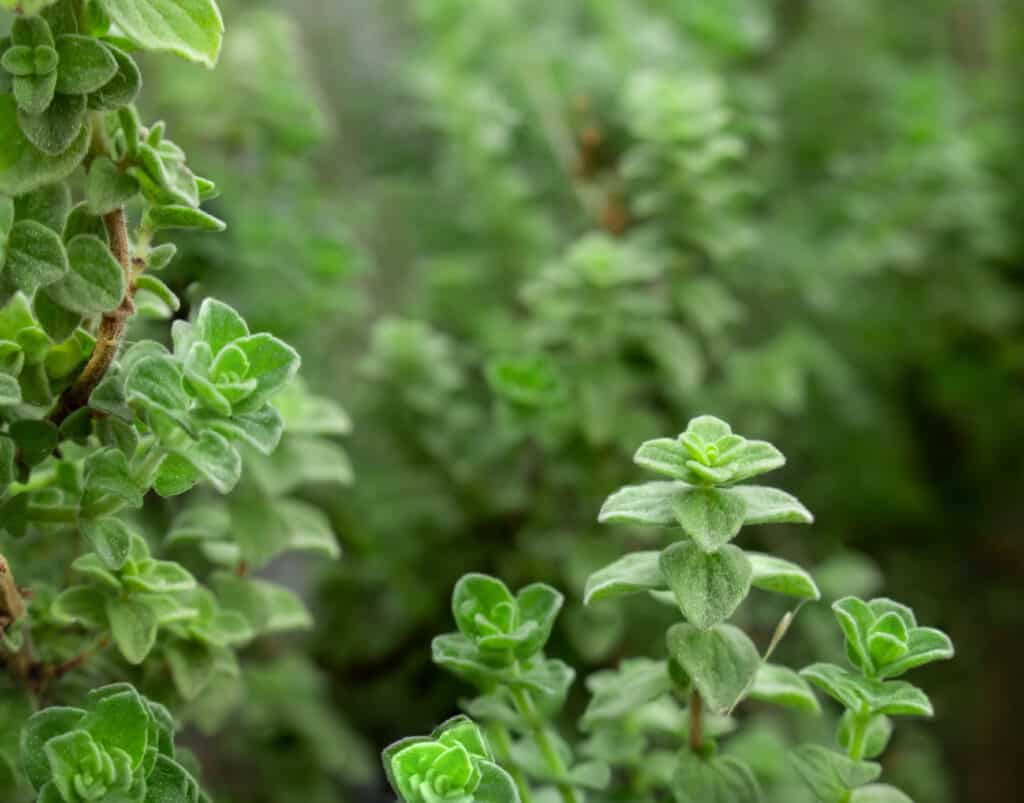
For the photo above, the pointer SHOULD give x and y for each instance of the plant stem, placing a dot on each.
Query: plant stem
(502, 743)
(858, 742)
(696, 722)
(112, 325)
(542, 735)
(12, 608)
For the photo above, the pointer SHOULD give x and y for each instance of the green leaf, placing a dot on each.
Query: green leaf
(856, 619)
(83, 604)
(48, 205)
(91, 566)
(176, 216)
(37, 731)
(156, 381)
(710, 516)
(35, 256)
(23, 166)
(159, 577)
(309, 527)
(123, 88)
(708, 586)
(782, 577)
(831, 775)
(770, 505)
(879, 793)
(119, 721)
(192, 666)
(664, 456)
(96, 281)
(54, 129)
(722, 662)
(169, 781)
(272, 363)
(217, 325)
(630, 574)
(717, 779)
(924, 645)
(538, 604)
(107, 188)
(66, 753)
(36, 440)
(216, 459)
(133, 624)
(782, 686)
(7, 453)
(107, 474)
(496, 785)
(191, 29)
(882, 697)
(616, 695)
(86, 64)
(110, 539)
(651, 503)
(10, 393)
(35, 93)
(753, 458)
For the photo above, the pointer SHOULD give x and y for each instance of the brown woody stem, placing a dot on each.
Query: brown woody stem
(12, 608)
(696, 722)
(112, 326)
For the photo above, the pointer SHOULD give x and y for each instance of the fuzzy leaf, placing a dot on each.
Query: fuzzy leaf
(177, 216)
(924, 645)
(664, 456)
(191, 29)
(650, 503)
(719, 779)
(618, 694)
(782, 686)
(710, 516)
(54, 129)
(23, 166)
(95, 283)
(85, 64)
(110, 539)
(708, 586)
(831, 775)
(37, 731)
(876, 737)
(722, 662)
(879, 793)
(782, 577)
(107, 188)
(770, 506)
(133, 624)
(35, 256)
(123, 88)
(630, 574)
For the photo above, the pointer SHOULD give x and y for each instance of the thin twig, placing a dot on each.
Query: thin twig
(12, 608)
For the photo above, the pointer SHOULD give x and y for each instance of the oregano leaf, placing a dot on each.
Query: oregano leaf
(708, 586)
(191, 29)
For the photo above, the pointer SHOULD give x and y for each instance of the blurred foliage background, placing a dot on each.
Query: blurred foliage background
(514, 239)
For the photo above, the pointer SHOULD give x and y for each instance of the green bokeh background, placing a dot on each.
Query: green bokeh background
(801, 216)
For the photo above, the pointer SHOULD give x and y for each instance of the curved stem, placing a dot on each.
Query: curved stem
(112, 325)
(543, 736)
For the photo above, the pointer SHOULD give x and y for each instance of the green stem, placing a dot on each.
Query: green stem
(545, 740)
(52, 514)
(696, 722)
(858, 741)
(502, 743)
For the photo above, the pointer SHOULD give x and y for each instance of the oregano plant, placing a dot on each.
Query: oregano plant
(654, 726)
(93, 423)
